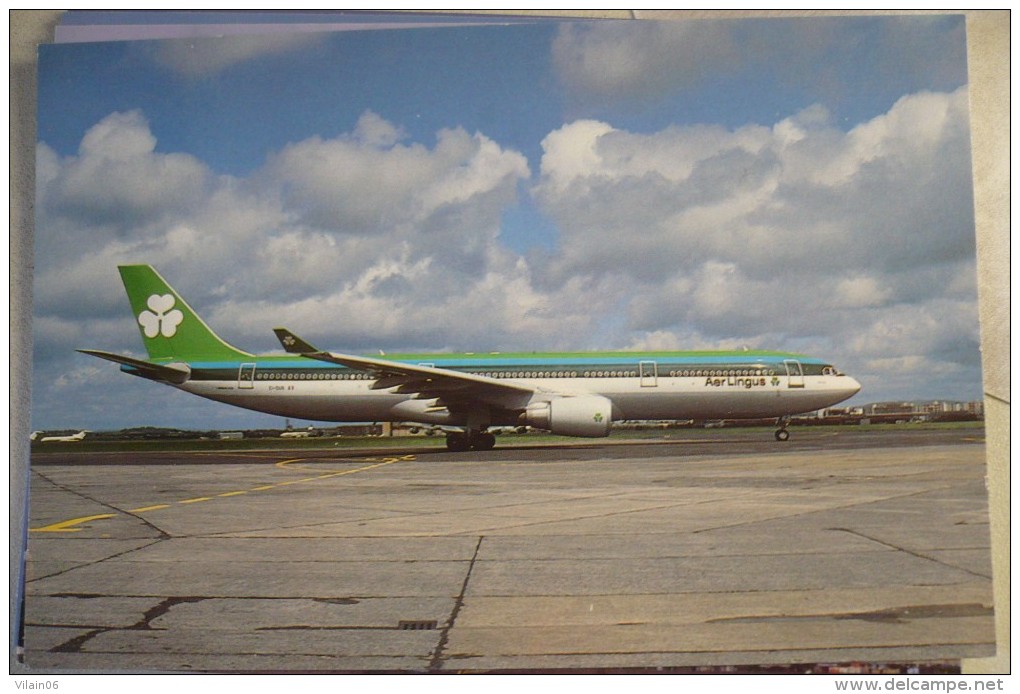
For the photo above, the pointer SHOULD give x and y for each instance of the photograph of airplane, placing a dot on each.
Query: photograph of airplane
(375, 254)
(570, 394)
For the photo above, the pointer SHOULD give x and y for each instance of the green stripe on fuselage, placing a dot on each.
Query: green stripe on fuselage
(497, 359)
(586, 357)
(521, 365)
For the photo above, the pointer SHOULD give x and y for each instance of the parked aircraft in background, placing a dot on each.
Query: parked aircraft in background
(80, 436)
(572, 394)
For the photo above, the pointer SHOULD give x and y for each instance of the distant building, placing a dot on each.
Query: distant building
(897, 412)
(841, 412)
(880, 408)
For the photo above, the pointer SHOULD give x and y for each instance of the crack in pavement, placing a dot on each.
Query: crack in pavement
(437, 660)
(919, 555)
(75, 644)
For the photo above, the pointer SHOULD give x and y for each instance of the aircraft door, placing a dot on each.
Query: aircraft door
(794, 372)
(649, 372)
(246, 375)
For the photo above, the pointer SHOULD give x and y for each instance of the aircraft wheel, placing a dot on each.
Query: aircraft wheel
(782, 435)
(457, 443)
(483, 441)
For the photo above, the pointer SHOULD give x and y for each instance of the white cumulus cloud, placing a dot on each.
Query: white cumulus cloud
(856, 245)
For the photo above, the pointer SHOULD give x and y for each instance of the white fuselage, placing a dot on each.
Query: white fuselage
(658, 397)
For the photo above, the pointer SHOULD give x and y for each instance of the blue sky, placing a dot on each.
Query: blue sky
(320, 86)
(506, 84)
(793, 184)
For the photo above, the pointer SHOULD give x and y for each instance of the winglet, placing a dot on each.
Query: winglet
(292, 343)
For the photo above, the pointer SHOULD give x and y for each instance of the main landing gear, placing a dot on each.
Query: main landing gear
(458, 442)
(781, 433)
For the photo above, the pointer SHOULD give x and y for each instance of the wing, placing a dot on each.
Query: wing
(424, 382)
(427, 382)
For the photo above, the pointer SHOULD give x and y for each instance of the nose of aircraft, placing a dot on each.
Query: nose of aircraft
(851, 386)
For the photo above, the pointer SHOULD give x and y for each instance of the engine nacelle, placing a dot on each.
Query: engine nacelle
(581, 415)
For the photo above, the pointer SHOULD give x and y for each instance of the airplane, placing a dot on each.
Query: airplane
(295, 435)
(80, 436)
(576, 394)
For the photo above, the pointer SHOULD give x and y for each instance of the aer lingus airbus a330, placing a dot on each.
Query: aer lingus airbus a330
(573, 394)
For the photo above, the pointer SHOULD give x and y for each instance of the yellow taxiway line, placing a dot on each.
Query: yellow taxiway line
(71, 525)
(68, 525)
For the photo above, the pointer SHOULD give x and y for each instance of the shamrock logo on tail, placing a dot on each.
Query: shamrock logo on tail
(161, 318)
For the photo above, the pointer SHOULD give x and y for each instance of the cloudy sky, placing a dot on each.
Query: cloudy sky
(792, 184)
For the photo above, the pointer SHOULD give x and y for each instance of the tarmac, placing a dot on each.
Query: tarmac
(722, 549)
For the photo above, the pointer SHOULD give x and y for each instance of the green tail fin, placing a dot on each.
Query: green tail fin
(170, 328)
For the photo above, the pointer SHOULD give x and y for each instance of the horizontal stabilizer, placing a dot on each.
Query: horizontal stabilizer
(170, 373)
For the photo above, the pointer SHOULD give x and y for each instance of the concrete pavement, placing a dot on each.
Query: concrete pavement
(523, 560)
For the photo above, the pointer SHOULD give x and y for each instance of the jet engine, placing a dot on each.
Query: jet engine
(581, 415)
